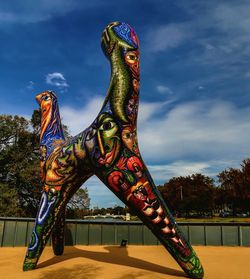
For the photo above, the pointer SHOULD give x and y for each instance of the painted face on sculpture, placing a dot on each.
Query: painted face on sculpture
(140, 193)
(45, 101)
(117, 181)
(132, 108)
(129, 138)
(104, 140)
(132, 60)
(135, 165)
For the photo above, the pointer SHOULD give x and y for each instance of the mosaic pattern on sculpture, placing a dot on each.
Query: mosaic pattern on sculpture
(108, 148)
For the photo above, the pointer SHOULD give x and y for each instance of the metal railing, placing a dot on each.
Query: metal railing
(17, 231)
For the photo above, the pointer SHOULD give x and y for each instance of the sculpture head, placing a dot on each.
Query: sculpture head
(51, 128)
(120, 44)
(46, 100)
(120, 36)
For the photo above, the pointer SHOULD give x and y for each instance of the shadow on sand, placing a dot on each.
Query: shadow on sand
(116, 255)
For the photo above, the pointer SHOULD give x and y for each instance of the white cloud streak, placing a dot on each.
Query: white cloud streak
(167, 37)
(100, 195)
(162, 173)
(212, 130)
(30, 85)
(79, 119)
(24, 12)
(164, 89)
(220, 35)
(58, 80)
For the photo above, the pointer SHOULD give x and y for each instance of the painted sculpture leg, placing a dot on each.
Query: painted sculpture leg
(143, 197)
(116, 155)
(46, 219)
(57, 235)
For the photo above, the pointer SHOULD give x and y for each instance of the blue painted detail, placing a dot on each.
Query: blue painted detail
(124, 32)
(54, 131)
(33, 247)
(44, 208)
(49, 143)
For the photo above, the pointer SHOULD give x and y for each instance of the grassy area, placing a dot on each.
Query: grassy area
(215, 219)
(204, 220)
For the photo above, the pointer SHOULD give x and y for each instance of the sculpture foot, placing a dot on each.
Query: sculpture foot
(193, 267)
(58, 251)
(29, 264)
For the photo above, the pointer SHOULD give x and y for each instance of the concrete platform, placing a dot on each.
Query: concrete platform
(133, 262)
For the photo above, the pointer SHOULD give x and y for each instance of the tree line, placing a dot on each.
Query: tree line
(200, 195)
(20, 186)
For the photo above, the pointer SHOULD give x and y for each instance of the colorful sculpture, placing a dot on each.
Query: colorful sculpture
(108, 148)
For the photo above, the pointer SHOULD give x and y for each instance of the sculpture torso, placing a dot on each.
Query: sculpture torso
(61, 162)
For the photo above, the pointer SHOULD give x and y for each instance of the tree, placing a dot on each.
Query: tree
(10, 129)
(9, 203)
(78, 205)
(235, 186)
(19, 161)
(190, 193)
(80, 199)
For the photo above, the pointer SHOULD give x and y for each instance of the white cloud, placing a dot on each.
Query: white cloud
(79, 119)
(197, 130)
(178, 168)
(219, 34)
(147, 110)
(232, 17)
(35, 11)
(57, 79)
(30, 85)
(12, 17)
(99, 194)
(168, 36)
(164, 89)
(164, 172)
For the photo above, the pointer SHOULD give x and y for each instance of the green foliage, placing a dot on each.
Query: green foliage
(191, 193)
(19, 163)
(79, 204)
(235, 187)
(116, 210)
(19, 166)
(198, 194)
(9, 203)
(11, 129)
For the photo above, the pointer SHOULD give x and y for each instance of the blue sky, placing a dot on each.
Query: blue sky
(195, 75)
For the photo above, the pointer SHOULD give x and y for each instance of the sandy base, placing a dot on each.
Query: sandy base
(140, 262)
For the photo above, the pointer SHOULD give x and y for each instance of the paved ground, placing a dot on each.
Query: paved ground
(133, 262)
